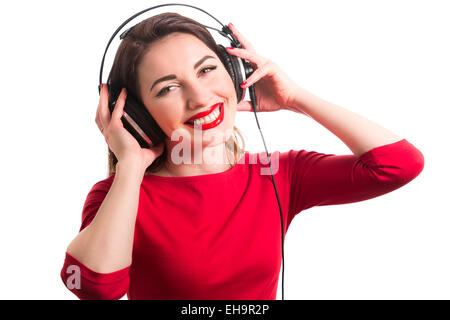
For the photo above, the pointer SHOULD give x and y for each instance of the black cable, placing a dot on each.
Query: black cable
(253, 100)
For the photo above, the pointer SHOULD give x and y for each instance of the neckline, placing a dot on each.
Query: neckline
(216, 175)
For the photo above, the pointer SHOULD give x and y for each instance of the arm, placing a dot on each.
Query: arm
(381, 161)
(274, 90)
(106, 244)
(357, 132)
(97, 260)
(319, 179)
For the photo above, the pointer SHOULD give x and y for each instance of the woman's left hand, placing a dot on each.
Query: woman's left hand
(273, 89)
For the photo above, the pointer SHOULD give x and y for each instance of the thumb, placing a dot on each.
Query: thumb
(244, 106)
(120, 104)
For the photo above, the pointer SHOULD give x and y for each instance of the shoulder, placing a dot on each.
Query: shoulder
(278, 160)
(94, 200)
(104, 184)
(99, 191)
(260, 158)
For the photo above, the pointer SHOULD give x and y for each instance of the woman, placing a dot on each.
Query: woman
(169, 223)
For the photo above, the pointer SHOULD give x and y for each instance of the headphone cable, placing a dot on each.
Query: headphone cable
(253, 100)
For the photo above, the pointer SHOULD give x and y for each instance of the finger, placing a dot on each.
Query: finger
(256, 76)
(247, 55)
(243, 95)
(96, 116)
(103, 111)
(97, 120)
(245, 43)
(118, 108)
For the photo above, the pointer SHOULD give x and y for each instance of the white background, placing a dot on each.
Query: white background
(385, 60)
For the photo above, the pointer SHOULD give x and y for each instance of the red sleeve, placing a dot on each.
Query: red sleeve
(87, 284)
(326, 179)
(77, 277)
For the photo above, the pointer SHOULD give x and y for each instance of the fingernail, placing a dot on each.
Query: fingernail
(243, 84)
(231, 25)
(101, 87)
(230, 48)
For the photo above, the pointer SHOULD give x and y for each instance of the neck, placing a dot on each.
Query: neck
(196, 161)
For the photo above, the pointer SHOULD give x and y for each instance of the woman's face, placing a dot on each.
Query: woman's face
(198, 80)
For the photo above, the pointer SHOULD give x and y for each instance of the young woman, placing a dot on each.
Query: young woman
(202, 221)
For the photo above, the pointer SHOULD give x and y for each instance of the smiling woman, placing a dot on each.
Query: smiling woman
(202, 230)
(197, 79)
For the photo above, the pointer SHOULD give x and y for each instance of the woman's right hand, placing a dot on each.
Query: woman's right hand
(124, 146)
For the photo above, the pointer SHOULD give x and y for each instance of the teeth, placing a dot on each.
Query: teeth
(209, 118)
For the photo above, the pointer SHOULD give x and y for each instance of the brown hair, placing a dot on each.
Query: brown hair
(129, 54)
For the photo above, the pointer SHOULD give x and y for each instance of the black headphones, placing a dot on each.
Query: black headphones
(139, 122)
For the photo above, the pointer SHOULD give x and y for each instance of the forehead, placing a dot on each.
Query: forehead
(174, 49)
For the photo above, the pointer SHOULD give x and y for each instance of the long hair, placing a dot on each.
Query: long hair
(130, 53)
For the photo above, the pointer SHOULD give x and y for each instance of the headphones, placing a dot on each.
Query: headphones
(141, 125)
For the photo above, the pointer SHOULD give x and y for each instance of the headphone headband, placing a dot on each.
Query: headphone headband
(226, 32)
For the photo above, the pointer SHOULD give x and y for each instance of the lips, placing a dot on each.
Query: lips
(212, 124)
(204, 113)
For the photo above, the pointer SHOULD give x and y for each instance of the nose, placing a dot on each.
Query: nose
(198, 96)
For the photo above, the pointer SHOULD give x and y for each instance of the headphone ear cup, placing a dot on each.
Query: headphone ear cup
(142, 118)
(233, 67)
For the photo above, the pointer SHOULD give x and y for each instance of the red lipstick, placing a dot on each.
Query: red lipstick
(204, 113)
(212, 124)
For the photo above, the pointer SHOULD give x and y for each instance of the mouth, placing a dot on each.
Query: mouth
(208, 119)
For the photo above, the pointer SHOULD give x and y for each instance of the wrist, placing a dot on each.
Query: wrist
(130, 167)
(300, 100)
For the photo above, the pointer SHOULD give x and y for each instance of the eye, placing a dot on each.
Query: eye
(166, 89)
(208, 68)
(163, 91)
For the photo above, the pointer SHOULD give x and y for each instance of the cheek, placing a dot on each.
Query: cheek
(227, 86)
(169, 120)
(165, 117)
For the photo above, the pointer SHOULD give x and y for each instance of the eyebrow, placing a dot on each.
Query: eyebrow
(172, 76)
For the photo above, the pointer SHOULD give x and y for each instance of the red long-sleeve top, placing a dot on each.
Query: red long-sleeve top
(218, 236)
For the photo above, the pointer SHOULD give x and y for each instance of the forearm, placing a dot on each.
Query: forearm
(357, 132)
(106, 244)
